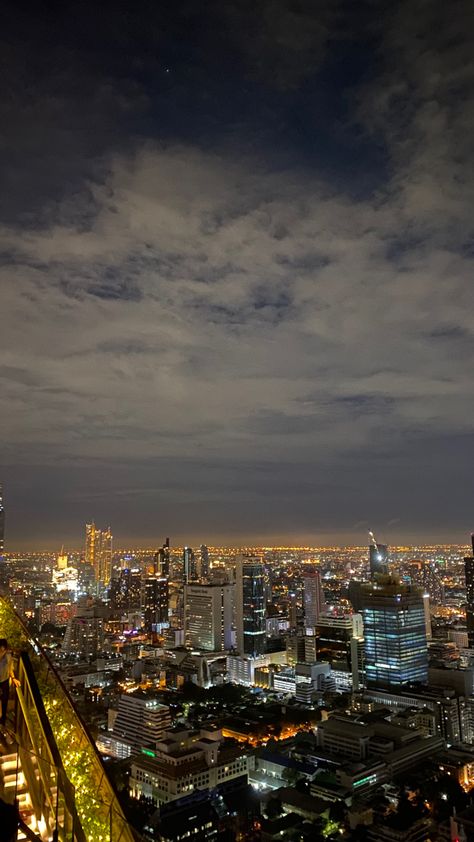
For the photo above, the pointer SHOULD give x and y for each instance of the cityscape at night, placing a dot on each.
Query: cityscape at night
(237, 438)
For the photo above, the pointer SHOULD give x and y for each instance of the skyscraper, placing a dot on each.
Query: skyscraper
(339, 641)
(155, 602)
(162, 560)
(313, 598)
(378, 558)
(250, 605)
(208, 613)
(395, 646)
(203, 563)
(98, 553)
(189, 565)
(126, 590)
(469, 573)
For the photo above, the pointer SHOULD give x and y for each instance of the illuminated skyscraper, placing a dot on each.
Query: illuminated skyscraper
(250, 605)
(162, 560)
(126, 591)
(155, 602)
(340, 642)
(208, 616)
(189, 565)
(395, 646)
(469, 573)
(98, 553)
(203, 563)
(313, 597)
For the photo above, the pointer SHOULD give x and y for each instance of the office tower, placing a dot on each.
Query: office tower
(469, 573)
(203, 563)
(126, 590)
(378, 558)
(161, 561)
(295, 647)
(395, 646)
(189, 565)
(340, 641)
(98, 553)
(250, 605)
(313, 599)
(155, 602)
(141, 722)
(208, 611)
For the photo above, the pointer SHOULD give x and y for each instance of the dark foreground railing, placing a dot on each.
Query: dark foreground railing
(71, 796)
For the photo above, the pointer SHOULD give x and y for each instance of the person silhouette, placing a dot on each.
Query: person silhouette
(6, 676)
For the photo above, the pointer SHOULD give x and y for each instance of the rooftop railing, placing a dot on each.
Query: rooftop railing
(70, 792)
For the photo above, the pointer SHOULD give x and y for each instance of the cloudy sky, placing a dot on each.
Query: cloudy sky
(237, 270)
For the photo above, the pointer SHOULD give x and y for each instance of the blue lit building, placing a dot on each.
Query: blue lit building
(395, 647)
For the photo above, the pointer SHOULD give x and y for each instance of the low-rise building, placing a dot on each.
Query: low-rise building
(185, 761)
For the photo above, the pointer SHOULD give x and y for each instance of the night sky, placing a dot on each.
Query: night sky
(237, 270)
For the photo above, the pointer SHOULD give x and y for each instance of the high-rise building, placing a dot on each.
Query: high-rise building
(208, 611)
(126, 590)
(339, 641)
(250, 605)
(203, 563)
(313, 598)
(378, 558)
(161, 561)
(433, 583)
(155, 602)
(395, 645)
(189, 565)
(85, 632)
(98, 553)
(469, 573)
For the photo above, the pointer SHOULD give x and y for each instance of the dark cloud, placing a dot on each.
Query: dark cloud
(237, 273)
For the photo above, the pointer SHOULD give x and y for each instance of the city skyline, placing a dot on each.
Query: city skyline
(237, 440)
(241, 260)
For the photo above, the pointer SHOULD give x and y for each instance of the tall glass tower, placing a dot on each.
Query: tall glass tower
(395, 647)
(250, 606)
